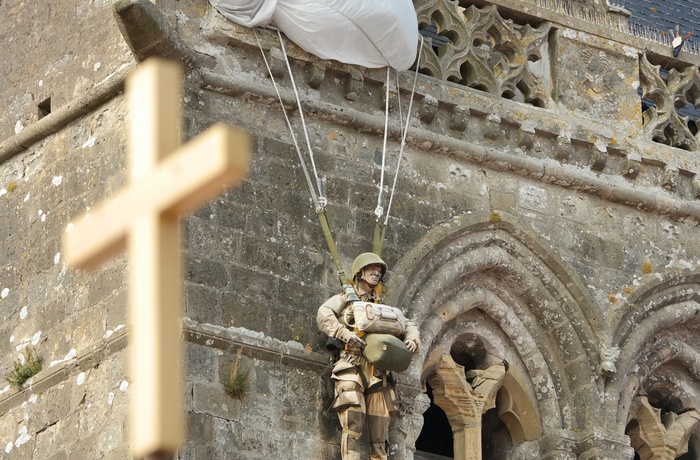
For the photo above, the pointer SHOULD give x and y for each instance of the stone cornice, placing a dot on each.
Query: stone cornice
(612, 188)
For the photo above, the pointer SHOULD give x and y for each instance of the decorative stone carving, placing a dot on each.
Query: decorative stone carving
(661, 437)
(662, 121)
(598, 68)
(476, 47)
(608, 358)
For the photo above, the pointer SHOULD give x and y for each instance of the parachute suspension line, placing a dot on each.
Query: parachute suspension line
(398, 101)
(380, 229)
(405, 130)
(289, 124)
(320, 201)
(379, 211)
(379, 226)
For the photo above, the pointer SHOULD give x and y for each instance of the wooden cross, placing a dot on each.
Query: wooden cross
(167, 181)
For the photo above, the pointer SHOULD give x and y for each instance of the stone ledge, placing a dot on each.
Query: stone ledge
(254, 344)
(566, 136)
(100, 94)
(52, 376)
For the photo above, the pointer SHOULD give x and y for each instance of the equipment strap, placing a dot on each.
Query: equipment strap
(331, 245)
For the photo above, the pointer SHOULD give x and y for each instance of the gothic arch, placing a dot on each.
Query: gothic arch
(658, 335)
(517, 408)
(541, 307)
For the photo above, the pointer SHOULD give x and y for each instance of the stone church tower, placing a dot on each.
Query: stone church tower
(544, 234)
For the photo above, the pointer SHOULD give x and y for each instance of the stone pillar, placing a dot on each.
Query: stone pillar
(558, 445)
(465, 403)
(406, 427)
(467, 442)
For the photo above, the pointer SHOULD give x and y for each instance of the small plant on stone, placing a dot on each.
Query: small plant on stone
(24, 368)
(236, 385)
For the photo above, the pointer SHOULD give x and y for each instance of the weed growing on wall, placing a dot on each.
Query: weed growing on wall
(236, 385)
(24, 368)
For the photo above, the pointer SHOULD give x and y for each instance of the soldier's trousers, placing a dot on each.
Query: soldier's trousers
(362, 401)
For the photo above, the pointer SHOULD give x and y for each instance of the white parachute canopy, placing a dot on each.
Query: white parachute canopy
(370, 33)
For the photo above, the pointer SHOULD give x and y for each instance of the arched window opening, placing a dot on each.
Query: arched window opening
(692, 454)
(436, 435)
(693, 446)
(496, 441)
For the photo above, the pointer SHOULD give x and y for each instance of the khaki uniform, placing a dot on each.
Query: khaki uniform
(363, 393)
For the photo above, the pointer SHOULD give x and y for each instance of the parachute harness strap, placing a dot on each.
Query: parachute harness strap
(380, 229)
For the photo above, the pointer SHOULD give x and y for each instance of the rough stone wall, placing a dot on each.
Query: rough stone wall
(557, 231)
(56, 50)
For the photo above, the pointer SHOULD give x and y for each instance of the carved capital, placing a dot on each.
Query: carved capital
(464, 403)
(657, 437)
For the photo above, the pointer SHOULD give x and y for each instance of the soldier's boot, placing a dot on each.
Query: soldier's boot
(372, 448)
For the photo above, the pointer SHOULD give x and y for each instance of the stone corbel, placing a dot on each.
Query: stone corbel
(148, 33)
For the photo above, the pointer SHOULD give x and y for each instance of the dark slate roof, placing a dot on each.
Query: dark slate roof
(663, 15)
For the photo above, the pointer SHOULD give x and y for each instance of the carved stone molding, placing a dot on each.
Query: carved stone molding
(663, 123)
(477, 48)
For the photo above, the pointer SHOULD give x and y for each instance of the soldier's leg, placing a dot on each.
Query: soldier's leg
(350, 404)
(378, 422)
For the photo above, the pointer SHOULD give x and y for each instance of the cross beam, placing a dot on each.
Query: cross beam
(166, 181)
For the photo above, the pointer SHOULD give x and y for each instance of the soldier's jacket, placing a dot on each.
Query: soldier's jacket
(332, 309)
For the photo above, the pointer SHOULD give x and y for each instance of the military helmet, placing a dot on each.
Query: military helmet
(364, 259)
